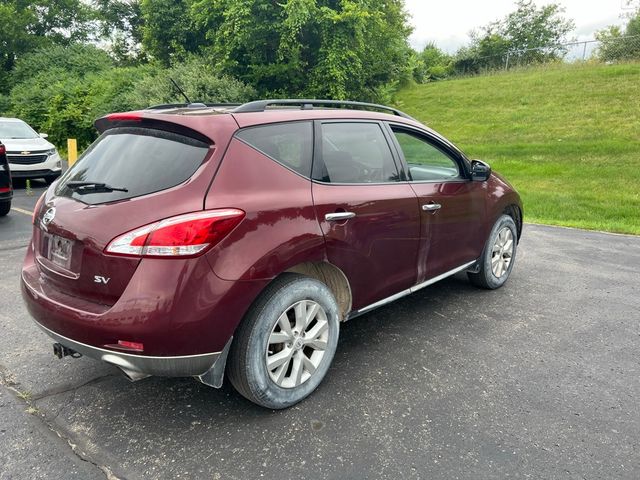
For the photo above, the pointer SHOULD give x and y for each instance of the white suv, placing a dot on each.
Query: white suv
(29, 154)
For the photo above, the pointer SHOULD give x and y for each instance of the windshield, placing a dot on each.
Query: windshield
(16, 130)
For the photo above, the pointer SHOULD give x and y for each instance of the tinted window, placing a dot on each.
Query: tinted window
(138, 159)
(355, 153)
(290, 144)
(426, 162)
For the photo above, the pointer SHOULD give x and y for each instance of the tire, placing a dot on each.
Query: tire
(498, 256)
(282, 303)
(5, 207)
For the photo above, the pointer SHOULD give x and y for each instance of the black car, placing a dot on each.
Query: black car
(6, 189)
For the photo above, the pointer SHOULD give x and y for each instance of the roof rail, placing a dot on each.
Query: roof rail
(166, 106)
(308, 104)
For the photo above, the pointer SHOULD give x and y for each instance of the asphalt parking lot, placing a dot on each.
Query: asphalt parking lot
(540, 379)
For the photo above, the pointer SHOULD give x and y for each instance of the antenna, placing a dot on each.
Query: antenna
(180, 90)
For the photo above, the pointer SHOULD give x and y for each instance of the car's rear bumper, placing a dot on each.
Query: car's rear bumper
(174, 308)
(142, 365)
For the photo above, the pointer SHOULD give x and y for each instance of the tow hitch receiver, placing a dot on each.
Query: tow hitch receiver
(61, 351)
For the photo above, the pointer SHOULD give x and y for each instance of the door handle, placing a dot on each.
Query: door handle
(338, 216)
(431, 207)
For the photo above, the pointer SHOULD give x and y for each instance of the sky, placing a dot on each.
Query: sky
(448, 22)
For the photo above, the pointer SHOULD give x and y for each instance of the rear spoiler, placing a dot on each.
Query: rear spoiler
(143, 120)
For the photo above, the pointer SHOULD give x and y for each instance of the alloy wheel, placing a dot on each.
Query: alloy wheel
(297, 344)
(502, 252)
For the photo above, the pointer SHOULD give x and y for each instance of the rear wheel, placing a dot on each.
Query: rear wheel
(4, 208)
(284, 346)
(498, 256)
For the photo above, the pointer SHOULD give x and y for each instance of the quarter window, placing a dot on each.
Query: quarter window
(426, 162)
(290, 144)
(355, 153)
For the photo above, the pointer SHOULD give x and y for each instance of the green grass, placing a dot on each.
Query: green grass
(566, 136)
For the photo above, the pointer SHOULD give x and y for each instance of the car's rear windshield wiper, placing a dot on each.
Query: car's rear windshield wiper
(92, 187)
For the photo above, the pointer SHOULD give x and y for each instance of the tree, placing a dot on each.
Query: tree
(168, 31)
(487, 52)
(536, 34)
(527, 35)
(323, 48)
(30, 24)
(121, 25)
(618, 44)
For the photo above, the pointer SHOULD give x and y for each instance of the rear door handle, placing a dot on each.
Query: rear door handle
(431, 207)
(338, 216)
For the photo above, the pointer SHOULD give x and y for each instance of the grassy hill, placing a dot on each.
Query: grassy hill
(566, 136)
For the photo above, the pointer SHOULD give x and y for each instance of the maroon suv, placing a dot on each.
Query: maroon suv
(190, 240)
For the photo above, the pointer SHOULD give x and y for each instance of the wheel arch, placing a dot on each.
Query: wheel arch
(332, 277)
(515, 212)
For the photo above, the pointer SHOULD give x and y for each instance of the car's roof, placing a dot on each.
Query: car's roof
(275, 110)
(289, 114)
(272, 115)
(12, 120)
(208, 120)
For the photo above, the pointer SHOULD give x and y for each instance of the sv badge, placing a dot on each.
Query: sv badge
(101, 279)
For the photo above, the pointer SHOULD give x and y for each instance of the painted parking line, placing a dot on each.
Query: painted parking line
(21, 210)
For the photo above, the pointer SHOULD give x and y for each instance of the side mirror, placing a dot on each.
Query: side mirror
(43, 135)
(480, 171)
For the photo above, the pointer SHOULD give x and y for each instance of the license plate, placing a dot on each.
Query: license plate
(60, 251)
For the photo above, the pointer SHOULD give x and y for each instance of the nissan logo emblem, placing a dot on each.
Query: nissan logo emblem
(48, 216)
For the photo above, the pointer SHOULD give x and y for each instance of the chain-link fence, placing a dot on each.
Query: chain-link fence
(610, 49)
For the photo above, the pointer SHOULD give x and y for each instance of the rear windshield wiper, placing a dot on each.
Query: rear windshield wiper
(92, 187)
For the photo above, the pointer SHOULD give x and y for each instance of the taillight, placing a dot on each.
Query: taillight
(184, 235)
(37, 208)
(3, 149)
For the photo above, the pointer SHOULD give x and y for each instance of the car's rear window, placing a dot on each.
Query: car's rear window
(140, 160)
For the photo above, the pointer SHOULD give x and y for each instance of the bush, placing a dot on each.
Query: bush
(56, 102)
(432, 64)
(617, 44)
(77, 59)
(65, 99)
(199, 80)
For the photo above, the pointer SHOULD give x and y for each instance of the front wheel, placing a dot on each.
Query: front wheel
(284, 346)
(498, 256)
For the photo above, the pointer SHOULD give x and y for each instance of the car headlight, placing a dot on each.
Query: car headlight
(53, 151)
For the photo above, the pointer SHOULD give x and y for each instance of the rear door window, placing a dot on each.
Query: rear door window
(140, 160)
(290, 144)
(355, 152)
